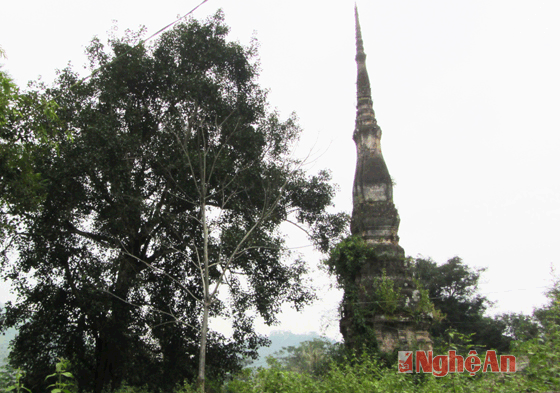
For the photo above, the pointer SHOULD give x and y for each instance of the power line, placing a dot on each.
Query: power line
(515, 290)
(95, 71)
(445, 297)
(173, 23)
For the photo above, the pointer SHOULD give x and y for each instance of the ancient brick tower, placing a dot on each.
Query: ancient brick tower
(397, 319)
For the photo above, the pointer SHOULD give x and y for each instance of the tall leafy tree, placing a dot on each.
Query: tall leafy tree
(177, 178)
(521, 327)
(453, 288)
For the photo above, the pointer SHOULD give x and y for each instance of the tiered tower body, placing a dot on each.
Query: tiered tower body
(376, 220)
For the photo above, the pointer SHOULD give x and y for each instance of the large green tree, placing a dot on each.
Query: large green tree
(168, 142)
(453, 288)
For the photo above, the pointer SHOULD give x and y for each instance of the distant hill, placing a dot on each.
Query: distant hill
(280, 339)
(5, 339)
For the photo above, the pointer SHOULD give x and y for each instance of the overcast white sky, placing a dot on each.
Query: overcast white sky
(467, 93)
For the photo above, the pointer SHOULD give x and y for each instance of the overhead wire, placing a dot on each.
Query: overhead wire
(446, 297)
(141, 42)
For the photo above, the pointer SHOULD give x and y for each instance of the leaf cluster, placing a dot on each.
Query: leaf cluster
(29, 130)
(347, 258)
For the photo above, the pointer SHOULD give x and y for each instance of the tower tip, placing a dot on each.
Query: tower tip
(359, 41)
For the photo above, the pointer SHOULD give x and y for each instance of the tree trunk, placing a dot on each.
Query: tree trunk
(200, 382)
(206, 301)
(113, 339)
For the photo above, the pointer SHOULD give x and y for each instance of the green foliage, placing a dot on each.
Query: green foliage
(345, 262)
(364, 299)
(126, 388)
(424, 305)
(7, 376)
(18, 386)
(388, 297)
(453, 289)
(347, 258)
(108, 273)
(543, 371)
(5, 339)
(279, 341)
(368, 374)
(28, 132)
(9, 94)
(520, 327)
(312, 357)
(64, 383)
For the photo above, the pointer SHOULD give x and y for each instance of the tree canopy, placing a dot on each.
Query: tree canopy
(107, 268)
(453, 288)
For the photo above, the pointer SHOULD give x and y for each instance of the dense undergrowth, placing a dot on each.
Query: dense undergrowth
(366, 374)
(319, 366)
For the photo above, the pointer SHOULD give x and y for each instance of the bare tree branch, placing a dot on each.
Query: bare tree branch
(162, 272)
(153, 309)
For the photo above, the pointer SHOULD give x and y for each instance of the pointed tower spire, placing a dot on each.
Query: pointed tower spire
(364, 90)
(374, 217)
(376, 220)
